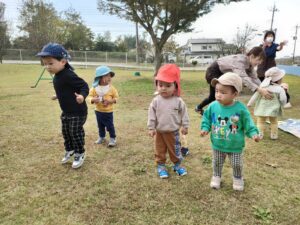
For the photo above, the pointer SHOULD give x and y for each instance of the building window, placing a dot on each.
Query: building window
(209, 47)
(204, 47)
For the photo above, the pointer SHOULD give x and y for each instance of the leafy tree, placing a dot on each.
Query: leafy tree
(4, 38)
(103, 43)
(75, 34)
(40, 23)
(160, 18)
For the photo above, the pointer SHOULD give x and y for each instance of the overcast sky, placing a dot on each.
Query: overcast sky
(222, 22)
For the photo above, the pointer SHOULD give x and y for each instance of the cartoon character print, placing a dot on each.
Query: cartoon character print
(234, 120)
(222, 129)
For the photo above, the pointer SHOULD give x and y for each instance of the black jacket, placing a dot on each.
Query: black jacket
(66, 83)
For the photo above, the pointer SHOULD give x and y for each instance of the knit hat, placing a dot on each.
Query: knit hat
(100, 72)
(169, 73)
(231, 79)
(272, 75)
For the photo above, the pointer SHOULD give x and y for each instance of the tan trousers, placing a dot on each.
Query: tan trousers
(261, 123)
(167, 142)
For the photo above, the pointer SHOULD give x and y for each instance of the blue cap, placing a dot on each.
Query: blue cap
(100, 72)
(54, 50)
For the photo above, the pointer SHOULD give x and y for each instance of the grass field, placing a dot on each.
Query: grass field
(120, 185)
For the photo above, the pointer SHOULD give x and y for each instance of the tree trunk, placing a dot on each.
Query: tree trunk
(157, 59)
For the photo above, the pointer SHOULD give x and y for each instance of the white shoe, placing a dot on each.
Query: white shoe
(100, 140)
(287, 105)
(78, 160)
(274, 136)
(112, 142)
(215, 182)
(67, 156)
(238, 184)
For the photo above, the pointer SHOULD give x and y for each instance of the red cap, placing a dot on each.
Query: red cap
(169, 73)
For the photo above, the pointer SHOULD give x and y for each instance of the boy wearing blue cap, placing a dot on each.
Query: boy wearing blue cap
(104, 95)
(71, 92)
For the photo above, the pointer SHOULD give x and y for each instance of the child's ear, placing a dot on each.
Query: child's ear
(64, 61)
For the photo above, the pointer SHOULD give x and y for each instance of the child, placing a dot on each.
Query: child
(104, 95)
(167, 114)
(270, 109)
(241, 64)
(71, 92)
(229, 121)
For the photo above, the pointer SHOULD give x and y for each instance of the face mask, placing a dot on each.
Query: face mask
(269, 39)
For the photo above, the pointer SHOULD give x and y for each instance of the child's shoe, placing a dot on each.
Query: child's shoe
(112, 142)
(181, 171)
(287, 105)
(215, 182)
(68, 155)
(162, 171)
(78, 160)
(238, 184)
(100, 140)
(184, 151)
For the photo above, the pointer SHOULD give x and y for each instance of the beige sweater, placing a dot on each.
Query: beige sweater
(167, 114)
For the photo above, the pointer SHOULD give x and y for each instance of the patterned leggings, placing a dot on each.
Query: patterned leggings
(236, 162)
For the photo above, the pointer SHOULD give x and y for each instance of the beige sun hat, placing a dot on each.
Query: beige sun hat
(231, 79)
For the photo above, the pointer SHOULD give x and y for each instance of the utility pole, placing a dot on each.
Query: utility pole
(295, 41)
(274, 9)
(137, 43)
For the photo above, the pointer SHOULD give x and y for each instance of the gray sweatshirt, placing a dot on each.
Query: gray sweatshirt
(167, 114)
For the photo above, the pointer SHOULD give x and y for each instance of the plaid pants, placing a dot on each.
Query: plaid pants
(73, 132)
(236, 162)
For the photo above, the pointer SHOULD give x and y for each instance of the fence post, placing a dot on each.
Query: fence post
(85, 58)
(126, 57)
(20, 50)
(106, 56)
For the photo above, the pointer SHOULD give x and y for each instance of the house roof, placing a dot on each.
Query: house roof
(205, 41)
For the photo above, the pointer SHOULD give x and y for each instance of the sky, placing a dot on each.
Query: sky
(222, 22)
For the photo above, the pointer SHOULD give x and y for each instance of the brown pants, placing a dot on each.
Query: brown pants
(167, 142)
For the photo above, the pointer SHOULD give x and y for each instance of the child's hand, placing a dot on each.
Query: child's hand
(184, 130)
(203, 133)
(151, 133)
(79, 98)
(54, 97)
(95, 100)
(256, 138)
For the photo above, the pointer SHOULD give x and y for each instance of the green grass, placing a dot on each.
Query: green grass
(120, 185)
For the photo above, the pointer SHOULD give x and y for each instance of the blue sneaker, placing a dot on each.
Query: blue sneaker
(180, 170)
(162, 171)
(184, 151)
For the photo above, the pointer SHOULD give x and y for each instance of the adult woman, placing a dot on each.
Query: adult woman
(241, 64)
(270, 48)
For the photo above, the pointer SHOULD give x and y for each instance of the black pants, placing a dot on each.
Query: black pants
(213, 71)
(73, 132)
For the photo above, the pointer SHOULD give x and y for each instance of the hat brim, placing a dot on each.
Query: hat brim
(214, 82)
(44, 54)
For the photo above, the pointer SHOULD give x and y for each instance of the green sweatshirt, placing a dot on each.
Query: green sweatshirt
(228, 126)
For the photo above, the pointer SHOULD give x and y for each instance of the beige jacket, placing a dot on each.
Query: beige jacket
(167, 114)
(240, 65)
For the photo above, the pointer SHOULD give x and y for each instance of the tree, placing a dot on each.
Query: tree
(75, 35)
(160, 18)
(125, 43)
(4, 38)
(243, 37)
(40, 23)
(103, 43)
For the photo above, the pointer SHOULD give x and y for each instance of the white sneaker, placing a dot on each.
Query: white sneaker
(100, 140)
(287, 105)
(78, 160)
(238, 184)
(215, 182)
(67, 156)
(112, 142)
